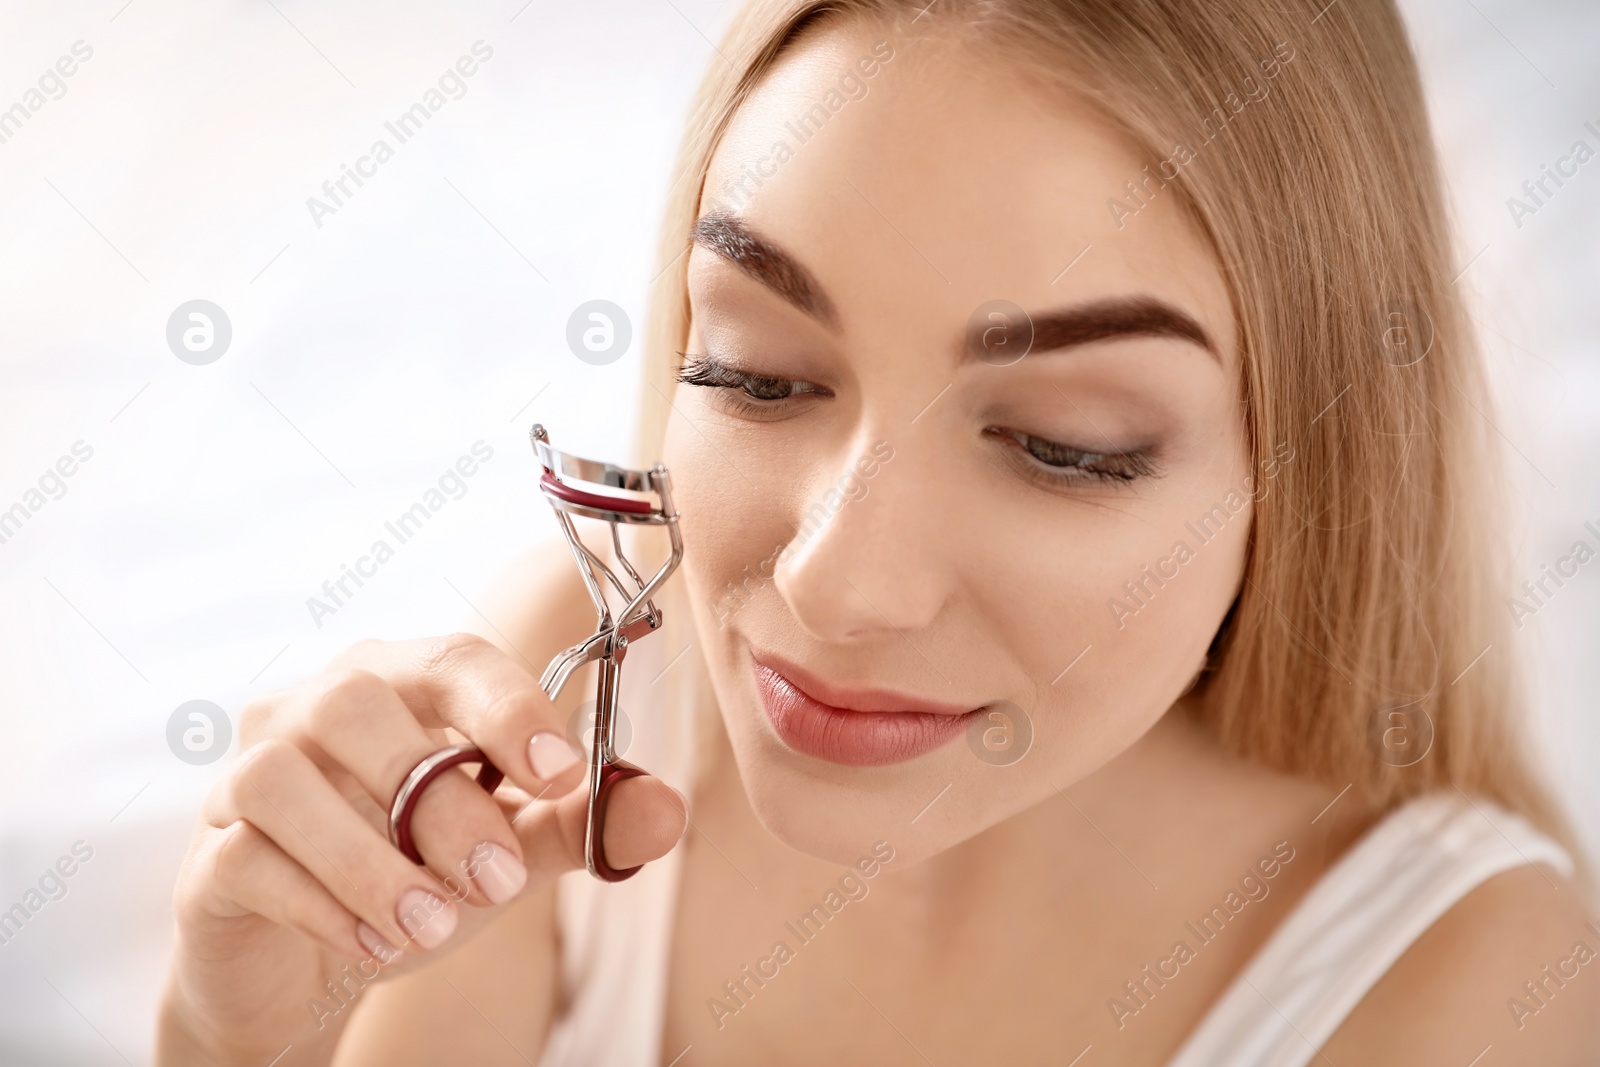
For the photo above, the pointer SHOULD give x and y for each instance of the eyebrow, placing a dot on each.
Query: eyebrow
(1133, 316)
(731, 238)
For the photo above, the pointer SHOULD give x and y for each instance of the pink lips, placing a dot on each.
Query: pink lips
(876, 727)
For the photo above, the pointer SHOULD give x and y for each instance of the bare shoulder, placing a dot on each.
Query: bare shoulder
(1513, 968)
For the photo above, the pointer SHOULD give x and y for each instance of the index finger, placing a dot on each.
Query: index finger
(462, 681)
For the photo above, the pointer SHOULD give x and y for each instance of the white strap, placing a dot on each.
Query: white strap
(1360, 917)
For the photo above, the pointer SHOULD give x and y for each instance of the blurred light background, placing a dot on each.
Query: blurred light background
(428, 313)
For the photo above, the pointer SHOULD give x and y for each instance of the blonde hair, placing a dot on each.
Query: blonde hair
(1373, 579)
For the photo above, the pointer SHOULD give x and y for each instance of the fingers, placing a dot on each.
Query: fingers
(282, 794)
(248, 873)
(374, 717)
(464, 682)
(361, 724)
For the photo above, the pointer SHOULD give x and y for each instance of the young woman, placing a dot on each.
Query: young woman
(1087, 648)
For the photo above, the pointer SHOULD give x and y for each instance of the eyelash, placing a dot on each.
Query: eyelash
(738, 387)
(1112, 468)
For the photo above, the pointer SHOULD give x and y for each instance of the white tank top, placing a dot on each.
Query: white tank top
(1359, 917)
(1341, 937)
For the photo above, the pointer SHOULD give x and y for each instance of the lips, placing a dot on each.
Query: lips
(892, 727)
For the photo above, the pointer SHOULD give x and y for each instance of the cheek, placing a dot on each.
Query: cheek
(1151, 587)
(732, 517)
(1157, 618)
(1109, 617)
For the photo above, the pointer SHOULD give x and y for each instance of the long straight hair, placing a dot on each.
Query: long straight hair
(1296, 138)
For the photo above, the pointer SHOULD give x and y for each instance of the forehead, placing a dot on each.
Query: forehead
(939, 182)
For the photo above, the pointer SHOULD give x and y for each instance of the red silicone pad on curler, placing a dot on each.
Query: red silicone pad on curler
(560, 489)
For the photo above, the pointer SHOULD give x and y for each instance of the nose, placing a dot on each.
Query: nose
(876, 563)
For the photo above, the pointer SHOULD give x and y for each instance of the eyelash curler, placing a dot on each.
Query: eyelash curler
(637, 617)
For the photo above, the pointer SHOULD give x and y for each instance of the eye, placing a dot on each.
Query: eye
(756, 393)
(1061, 464)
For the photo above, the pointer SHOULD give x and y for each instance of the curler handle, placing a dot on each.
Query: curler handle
(606, 770)
(594, 846)
(410, 791)
(489, 778)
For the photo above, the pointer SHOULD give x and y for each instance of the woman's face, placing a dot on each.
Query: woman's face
(935, 582)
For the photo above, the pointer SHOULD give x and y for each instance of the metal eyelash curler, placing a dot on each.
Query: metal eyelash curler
(613, 634)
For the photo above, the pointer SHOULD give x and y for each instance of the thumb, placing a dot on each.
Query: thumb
(644, 818)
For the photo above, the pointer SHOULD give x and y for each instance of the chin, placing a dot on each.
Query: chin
(839, 822)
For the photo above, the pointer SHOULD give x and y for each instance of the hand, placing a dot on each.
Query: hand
(291, 884)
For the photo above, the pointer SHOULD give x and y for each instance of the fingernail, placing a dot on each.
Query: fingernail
(549, 755)
(374, 943)
(425, 917)
(500, 877)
